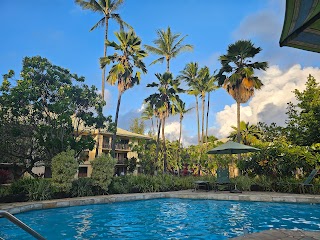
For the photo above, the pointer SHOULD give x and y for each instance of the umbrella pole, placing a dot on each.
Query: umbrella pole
(235, 190)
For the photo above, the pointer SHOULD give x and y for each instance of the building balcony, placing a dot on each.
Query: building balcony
(119, 146)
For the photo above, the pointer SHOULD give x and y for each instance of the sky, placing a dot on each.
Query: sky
(59, 31)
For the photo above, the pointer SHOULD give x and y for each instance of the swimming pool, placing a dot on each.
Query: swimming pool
(164, 219)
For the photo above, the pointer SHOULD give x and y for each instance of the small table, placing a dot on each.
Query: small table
(199, 184)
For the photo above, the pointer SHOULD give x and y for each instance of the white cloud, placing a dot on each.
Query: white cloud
(142, 108)
(172, 130)
(269, 104)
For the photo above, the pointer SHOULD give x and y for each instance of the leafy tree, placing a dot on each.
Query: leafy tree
(163, 101)
(107, 9)
(45, 113)
(122, 72)
(237, 73)
(303, 124)
(64, 168)
(137, 126)
(103, 170)
(168, 46)
(146, 150)
(272, 132)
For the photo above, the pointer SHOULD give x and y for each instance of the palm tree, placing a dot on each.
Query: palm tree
(122, 72)
(190, 75)
(249, 133)
(181, 109)
(148, 114)
(168, 46)
(237, 73)
(163, 100)
(107, 8)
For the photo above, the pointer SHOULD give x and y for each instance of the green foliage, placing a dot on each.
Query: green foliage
(303, 125)
(265, 182)
(137, 126)
(243, 182)
(40, 189)
(146, 150)
(103, 170)
(82, 187)
(21, 185)
(279, 159)
(43, 111)
(4, 191)
(64, 168)
(132, 164)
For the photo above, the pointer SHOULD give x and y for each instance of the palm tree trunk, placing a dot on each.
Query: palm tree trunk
(179, 147)
(152, 126)
(114, 136)
(105, 54)
(198, 120)
(203, 98)
(158, 143)
(207, 117)
(165, 164)
(168, 65)
(238, 122)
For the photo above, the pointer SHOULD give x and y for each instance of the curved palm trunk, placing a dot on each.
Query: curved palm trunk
(198, 120)
(207, 117)
(105, 54)
(203, 98)
(114, 136)
(165, 164)
(152, 126)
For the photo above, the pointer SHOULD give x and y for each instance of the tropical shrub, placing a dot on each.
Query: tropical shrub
(103, 170)
(40, 189)
(82, 187)
(243, 183)
(64, 168)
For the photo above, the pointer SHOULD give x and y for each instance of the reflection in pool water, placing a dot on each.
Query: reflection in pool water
(164, 219)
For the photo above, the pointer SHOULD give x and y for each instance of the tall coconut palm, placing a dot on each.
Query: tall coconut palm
(181, 109)
(122, 72)
(163, 100)
(168, 45)
(148, 114)
(190, 75)
(107, 8)
(237, 73)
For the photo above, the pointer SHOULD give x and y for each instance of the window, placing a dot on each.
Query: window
(83, 172)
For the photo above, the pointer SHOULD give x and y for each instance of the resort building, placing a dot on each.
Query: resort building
(125, 141)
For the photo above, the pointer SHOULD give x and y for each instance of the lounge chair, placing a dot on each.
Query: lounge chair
(307, 182)
(201, 185)
(223, 179)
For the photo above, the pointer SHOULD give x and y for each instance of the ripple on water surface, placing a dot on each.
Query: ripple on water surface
(165, 219)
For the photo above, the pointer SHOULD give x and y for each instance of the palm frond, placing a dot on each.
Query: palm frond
(100, 23)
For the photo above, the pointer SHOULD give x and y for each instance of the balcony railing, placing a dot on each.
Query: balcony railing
(119, 146)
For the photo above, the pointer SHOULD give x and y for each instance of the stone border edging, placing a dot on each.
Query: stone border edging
(15, 208)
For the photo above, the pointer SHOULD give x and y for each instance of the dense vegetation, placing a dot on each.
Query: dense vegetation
(43, 114)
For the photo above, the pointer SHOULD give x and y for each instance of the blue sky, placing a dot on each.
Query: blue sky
(59, 31)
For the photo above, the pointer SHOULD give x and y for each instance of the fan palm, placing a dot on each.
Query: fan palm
(162, 101)
(122, 72)
(190, 75)
(168, 46)
(237, 73)
(107, 8)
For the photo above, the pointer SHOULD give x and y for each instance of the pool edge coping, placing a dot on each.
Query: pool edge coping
(20, 207)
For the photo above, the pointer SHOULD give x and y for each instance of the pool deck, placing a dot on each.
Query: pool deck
(15, 208)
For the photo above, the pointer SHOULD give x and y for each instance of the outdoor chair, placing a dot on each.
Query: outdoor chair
(223, 180)
(307, 182)
(201, 185)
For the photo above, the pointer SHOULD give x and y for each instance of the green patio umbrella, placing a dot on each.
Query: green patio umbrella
(301, 28)
(231, 147)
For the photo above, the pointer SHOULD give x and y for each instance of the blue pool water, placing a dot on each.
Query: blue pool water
(164, 219)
